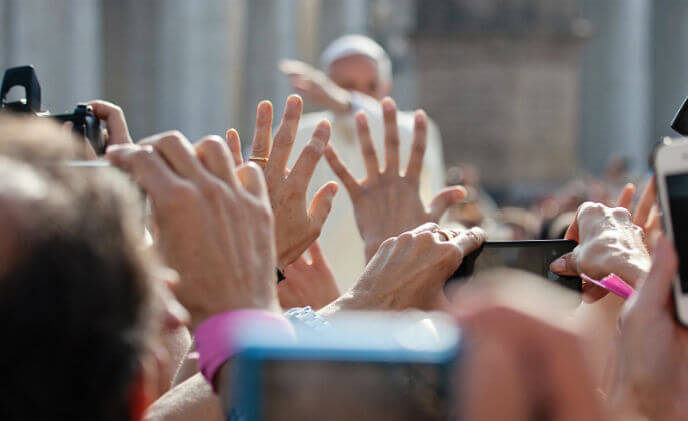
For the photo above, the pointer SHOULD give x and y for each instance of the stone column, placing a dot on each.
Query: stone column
(270, 37)
(62, 39)
(670, 64)
(342, 17)
(616, 90)
(198, 58)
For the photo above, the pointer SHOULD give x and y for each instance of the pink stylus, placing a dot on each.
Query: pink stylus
(613, 284)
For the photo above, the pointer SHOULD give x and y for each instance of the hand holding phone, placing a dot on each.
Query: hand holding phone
(530, 256)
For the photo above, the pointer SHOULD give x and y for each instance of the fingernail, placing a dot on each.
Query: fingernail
(558, 265)
(388, 106)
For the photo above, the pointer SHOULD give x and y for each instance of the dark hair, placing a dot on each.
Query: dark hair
(74, 297)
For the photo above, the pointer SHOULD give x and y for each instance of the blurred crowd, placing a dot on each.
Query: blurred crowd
(545, 216)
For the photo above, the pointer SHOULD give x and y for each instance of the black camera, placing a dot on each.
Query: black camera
(680, 121)
(84, 121)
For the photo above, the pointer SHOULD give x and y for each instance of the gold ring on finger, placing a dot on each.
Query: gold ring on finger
(448, 235)
(258, 159)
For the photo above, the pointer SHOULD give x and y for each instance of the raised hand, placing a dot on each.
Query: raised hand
(297, 224)
(386, 202)
(315, 85)
(215, 224)
(308, 282)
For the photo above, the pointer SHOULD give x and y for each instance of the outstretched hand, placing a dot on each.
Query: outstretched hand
(297, 224)
(386, 202)
(315, 85)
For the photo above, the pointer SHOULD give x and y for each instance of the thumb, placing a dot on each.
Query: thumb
(444, 199)
(322, 204)
(572, 231)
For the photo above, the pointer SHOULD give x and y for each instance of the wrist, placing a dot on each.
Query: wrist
(341, 99)
(218, 337)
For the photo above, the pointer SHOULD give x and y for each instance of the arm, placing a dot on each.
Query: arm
(192, 399)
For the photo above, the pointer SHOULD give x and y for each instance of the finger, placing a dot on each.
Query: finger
(215, 156)
(178, 152)
(293, 67)
(645, 203)
(316, 253)
(305, 165)
(626, 196)
(656, 289)
(470, 240)
(420, 132)
(572, 232)
(284, 138)
(389, 111)
(115, 120)
(340, 170)
(322, 204)
(263, 131)
(566, 265)
(251, 177)
(301, 264)
(654, 220)
(428, 226)
(234, 143)
(146, 166)
(367, 148)
(592, 293)
(444, 199)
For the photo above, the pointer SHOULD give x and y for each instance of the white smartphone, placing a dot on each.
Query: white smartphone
(671, 169)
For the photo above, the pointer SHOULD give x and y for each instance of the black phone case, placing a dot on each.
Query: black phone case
(561, 247)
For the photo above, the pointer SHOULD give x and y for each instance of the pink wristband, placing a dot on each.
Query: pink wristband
(612, 283)
(216, 337)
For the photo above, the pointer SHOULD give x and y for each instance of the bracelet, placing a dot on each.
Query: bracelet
(216, 337)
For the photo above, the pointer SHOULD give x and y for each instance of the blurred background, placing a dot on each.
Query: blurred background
(534, 93)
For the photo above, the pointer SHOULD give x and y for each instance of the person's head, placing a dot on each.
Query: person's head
(357, 63)
(80, 311)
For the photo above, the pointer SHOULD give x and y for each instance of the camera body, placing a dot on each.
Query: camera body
(84, 121)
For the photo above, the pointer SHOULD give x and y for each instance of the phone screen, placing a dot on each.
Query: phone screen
(530, 256)
(677, 190)
(351, 390)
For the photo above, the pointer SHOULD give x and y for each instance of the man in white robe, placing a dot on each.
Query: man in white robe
(356, 76)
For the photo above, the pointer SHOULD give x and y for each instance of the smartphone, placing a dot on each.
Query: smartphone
(671, 169)
(530, 256)
(370, 367)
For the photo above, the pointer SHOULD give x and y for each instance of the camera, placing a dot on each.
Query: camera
(84, 121)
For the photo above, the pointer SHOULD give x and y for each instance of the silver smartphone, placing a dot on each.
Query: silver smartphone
(671, 169)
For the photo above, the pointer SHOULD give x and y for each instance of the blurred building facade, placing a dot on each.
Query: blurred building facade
(533, 91)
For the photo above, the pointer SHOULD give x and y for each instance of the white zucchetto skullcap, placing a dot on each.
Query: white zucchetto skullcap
(351, 45)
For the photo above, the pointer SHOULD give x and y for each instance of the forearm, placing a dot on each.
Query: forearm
(191, 400)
